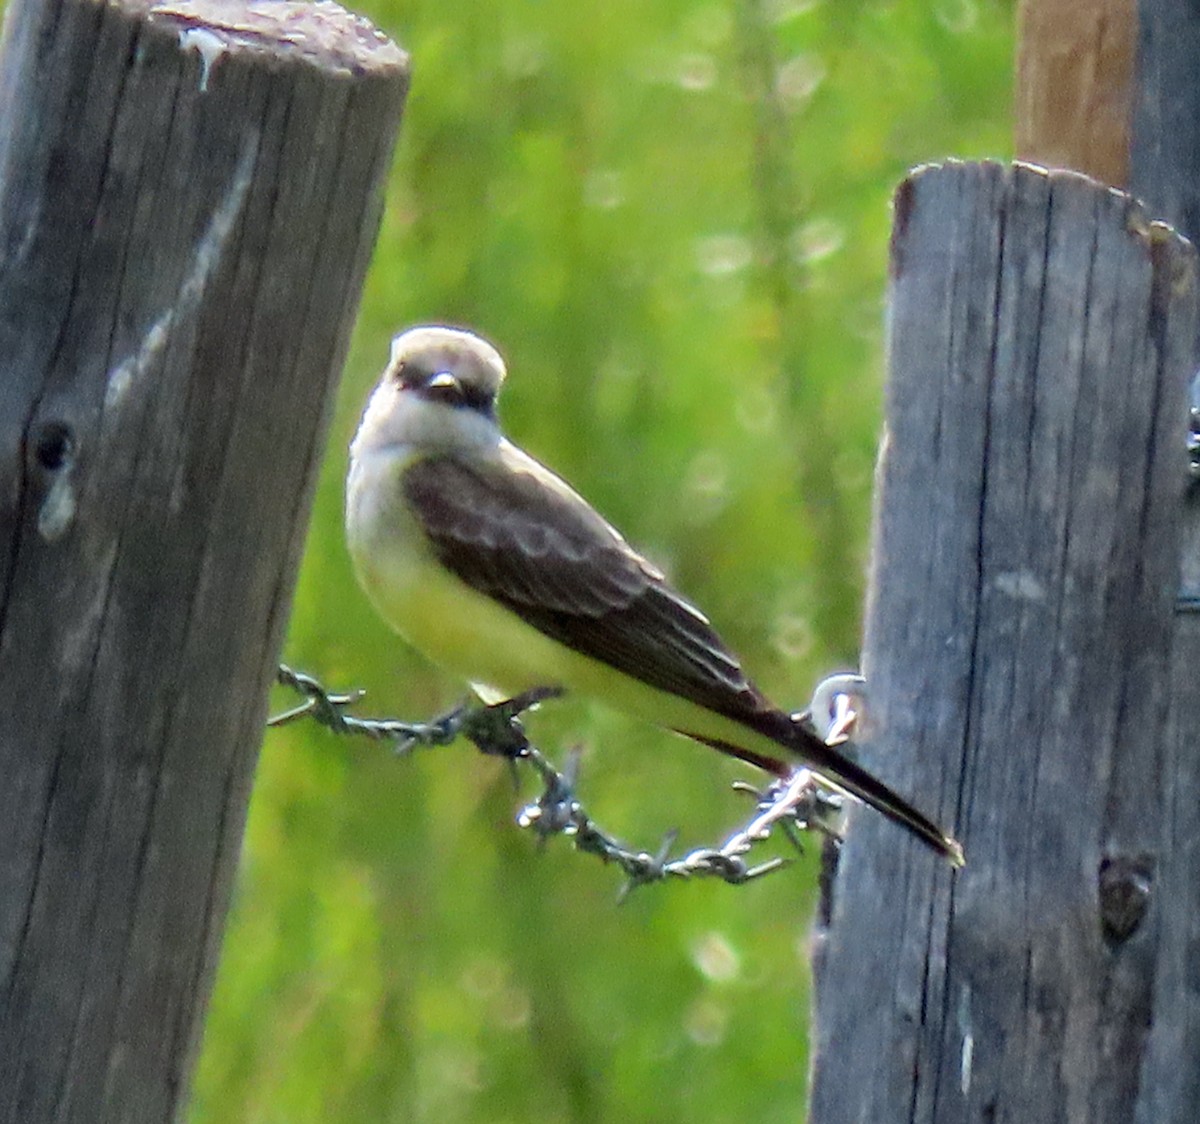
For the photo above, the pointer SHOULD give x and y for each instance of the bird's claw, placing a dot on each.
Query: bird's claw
(497, 729)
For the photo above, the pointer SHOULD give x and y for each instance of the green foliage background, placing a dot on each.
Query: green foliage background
(672, 217)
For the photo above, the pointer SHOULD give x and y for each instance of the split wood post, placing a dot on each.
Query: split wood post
(1018, 649)
(1150, 119)
(189, 195)
(1076, 68)
(1165, 172)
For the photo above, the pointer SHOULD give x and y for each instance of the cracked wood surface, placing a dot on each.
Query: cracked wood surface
(1076, 63)
(1165, 172)
(189, 195)
(1018, 644)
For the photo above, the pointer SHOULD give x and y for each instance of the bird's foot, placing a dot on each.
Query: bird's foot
(497, 729)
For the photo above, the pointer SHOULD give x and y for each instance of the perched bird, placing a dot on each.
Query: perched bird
(497, 570)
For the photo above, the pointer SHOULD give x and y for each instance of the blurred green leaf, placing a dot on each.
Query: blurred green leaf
(672, 218)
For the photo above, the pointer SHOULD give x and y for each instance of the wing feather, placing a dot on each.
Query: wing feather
(543, 553)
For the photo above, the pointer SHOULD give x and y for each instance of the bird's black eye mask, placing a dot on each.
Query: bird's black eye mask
(440, 385)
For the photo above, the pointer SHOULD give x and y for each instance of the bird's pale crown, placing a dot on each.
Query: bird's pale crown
(419, 354)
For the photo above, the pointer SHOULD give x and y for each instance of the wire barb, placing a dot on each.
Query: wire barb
(1193, 438)
(792, 804)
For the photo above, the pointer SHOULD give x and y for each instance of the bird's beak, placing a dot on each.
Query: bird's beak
(442, 380)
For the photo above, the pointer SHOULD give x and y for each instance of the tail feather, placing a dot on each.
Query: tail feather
(838, 772)
(846, 776)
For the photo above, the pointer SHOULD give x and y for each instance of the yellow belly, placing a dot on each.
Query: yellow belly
(492, 648)
(477, 639)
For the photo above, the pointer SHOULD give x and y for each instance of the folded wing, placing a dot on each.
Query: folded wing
(526, 540)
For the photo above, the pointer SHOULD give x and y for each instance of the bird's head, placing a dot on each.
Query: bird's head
(438, 390)
(447, 365)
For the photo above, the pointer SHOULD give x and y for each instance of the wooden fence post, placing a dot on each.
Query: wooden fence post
(1018, 647)
(1075, 72)
(1165, 172)
(189, 194)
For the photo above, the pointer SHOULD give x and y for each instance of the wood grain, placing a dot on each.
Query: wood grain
(1075, 84)
(1165, 172)
(1018, 648)
(189, 195)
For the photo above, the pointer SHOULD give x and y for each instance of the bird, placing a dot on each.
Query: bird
(497, 570)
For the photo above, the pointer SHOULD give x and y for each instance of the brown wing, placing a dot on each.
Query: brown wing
(538, 549)
(543, 553)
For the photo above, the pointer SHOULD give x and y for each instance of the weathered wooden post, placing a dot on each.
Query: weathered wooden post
(1165, 171)
(1018, 643)
(189, 194)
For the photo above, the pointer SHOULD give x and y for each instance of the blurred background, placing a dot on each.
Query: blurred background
(672, 217)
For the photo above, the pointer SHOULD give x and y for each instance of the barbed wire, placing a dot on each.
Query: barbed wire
(1193, 438)
(791, 805)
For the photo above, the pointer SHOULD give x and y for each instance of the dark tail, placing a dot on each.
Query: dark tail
(843, 774)
(840, 773)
